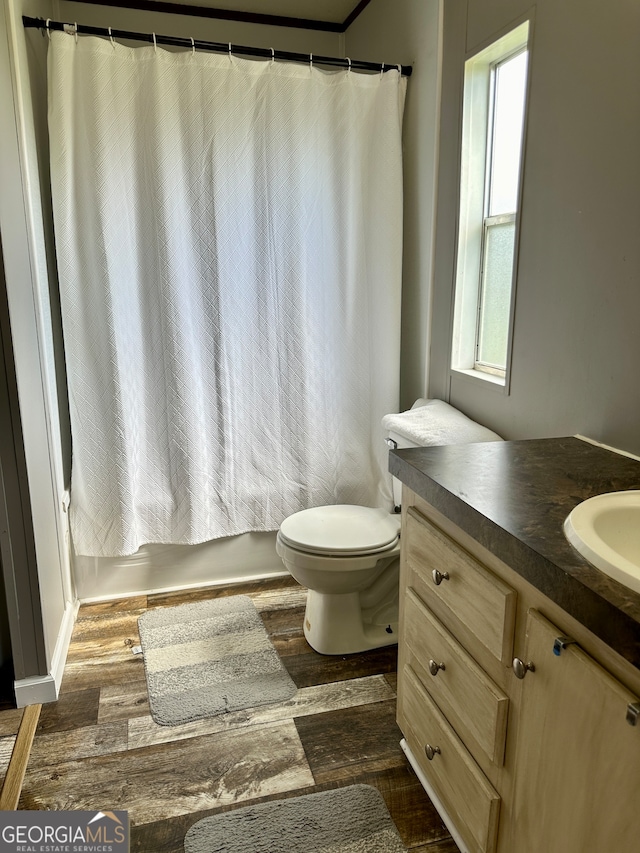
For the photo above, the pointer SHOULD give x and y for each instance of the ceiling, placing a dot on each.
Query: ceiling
(333, 15)
(334, 11)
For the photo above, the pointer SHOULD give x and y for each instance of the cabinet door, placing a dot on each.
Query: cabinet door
(577, 774)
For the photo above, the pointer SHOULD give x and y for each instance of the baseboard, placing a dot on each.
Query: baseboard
(40, 689)
(61, 650)
(36, 690)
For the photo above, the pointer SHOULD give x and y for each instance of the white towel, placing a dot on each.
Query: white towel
(431, 422)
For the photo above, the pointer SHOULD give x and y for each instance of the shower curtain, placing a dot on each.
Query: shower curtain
(228, 238)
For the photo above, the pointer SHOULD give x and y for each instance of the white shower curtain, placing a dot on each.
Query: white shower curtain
(228, 236)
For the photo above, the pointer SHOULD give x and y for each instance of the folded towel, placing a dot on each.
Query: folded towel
(431, 422)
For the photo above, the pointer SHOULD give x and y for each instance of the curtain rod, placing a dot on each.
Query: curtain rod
(216, 47)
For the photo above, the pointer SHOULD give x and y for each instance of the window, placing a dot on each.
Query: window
(495, 84)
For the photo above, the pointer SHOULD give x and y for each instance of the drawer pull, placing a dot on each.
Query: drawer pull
(431, 751)
(521, 668)
(435, 667)
(633, 713)
(561, 643)
(438, 577)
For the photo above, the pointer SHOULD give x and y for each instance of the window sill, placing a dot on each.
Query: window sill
(493, 381)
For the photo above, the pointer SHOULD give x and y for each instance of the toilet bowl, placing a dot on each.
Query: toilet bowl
(348, 557)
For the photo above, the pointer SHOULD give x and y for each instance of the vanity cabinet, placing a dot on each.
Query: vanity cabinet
(543, 762)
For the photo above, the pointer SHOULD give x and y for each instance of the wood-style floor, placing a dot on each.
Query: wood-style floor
(98, 748)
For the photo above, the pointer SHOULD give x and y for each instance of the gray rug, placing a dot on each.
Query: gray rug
(346, 820)
(209, 658)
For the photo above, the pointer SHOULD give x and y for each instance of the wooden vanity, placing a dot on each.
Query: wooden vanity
(519, 664)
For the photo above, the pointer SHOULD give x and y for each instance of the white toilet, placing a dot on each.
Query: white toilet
(348, 557)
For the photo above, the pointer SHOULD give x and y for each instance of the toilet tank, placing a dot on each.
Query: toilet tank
(436, 423)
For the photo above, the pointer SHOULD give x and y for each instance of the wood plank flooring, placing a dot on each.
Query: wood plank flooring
(97, 747)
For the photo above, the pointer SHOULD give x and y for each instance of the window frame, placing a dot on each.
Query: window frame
(474, 197)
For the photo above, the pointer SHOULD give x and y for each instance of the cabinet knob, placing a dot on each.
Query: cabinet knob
(435, 667)
(438, 577)
(521, 668)
(431, 751)
(633, 713)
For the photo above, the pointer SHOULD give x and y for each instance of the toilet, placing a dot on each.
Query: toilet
(348, 557)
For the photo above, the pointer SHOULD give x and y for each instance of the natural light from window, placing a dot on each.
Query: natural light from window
(492, 141)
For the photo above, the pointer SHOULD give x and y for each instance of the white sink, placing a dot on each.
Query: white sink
(605, 529)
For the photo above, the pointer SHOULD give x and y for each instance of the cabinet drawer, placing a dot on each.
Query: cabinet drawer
(473, 704)
(465, 792)
(472, 596)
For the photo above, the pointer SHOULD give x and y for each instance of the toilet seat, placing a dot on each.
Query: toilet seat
(341, 530)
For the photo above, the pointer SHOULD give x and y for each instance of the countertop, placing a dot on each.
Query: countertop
(513, 497)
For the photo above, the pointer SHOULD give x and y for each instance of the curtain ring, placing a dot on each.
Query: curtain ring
(310, 60)
(273, 56)
(75, 32)
(400, 70)
(155, 44)
(349, 61)
(382, 69)
(230, 57)
(113, 44)
(48, 30)
(193, 46)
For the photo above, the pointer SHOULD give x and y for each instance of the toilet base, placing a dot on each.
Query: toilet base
(336, 625)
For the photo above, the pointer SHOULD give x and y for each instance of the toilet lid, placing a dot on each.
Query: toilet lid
(341, 529)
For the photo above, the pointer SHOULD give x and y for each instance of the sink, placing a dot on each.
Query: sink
(605, 529)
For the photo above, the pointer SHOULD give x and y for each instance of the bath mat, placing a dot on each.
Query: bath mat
(209, 658)
(345, 820)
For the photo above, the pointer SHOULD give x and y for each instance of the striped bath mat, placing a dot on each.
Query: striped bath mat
(209, 658)
(346, 820)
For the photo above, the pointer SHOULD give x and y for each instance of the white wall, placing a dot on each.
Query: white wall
(576, 336)
(27, 279)
(408, 32)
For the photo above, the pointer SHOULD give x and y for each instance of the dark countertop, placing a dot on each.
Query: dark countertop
(513, 497)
